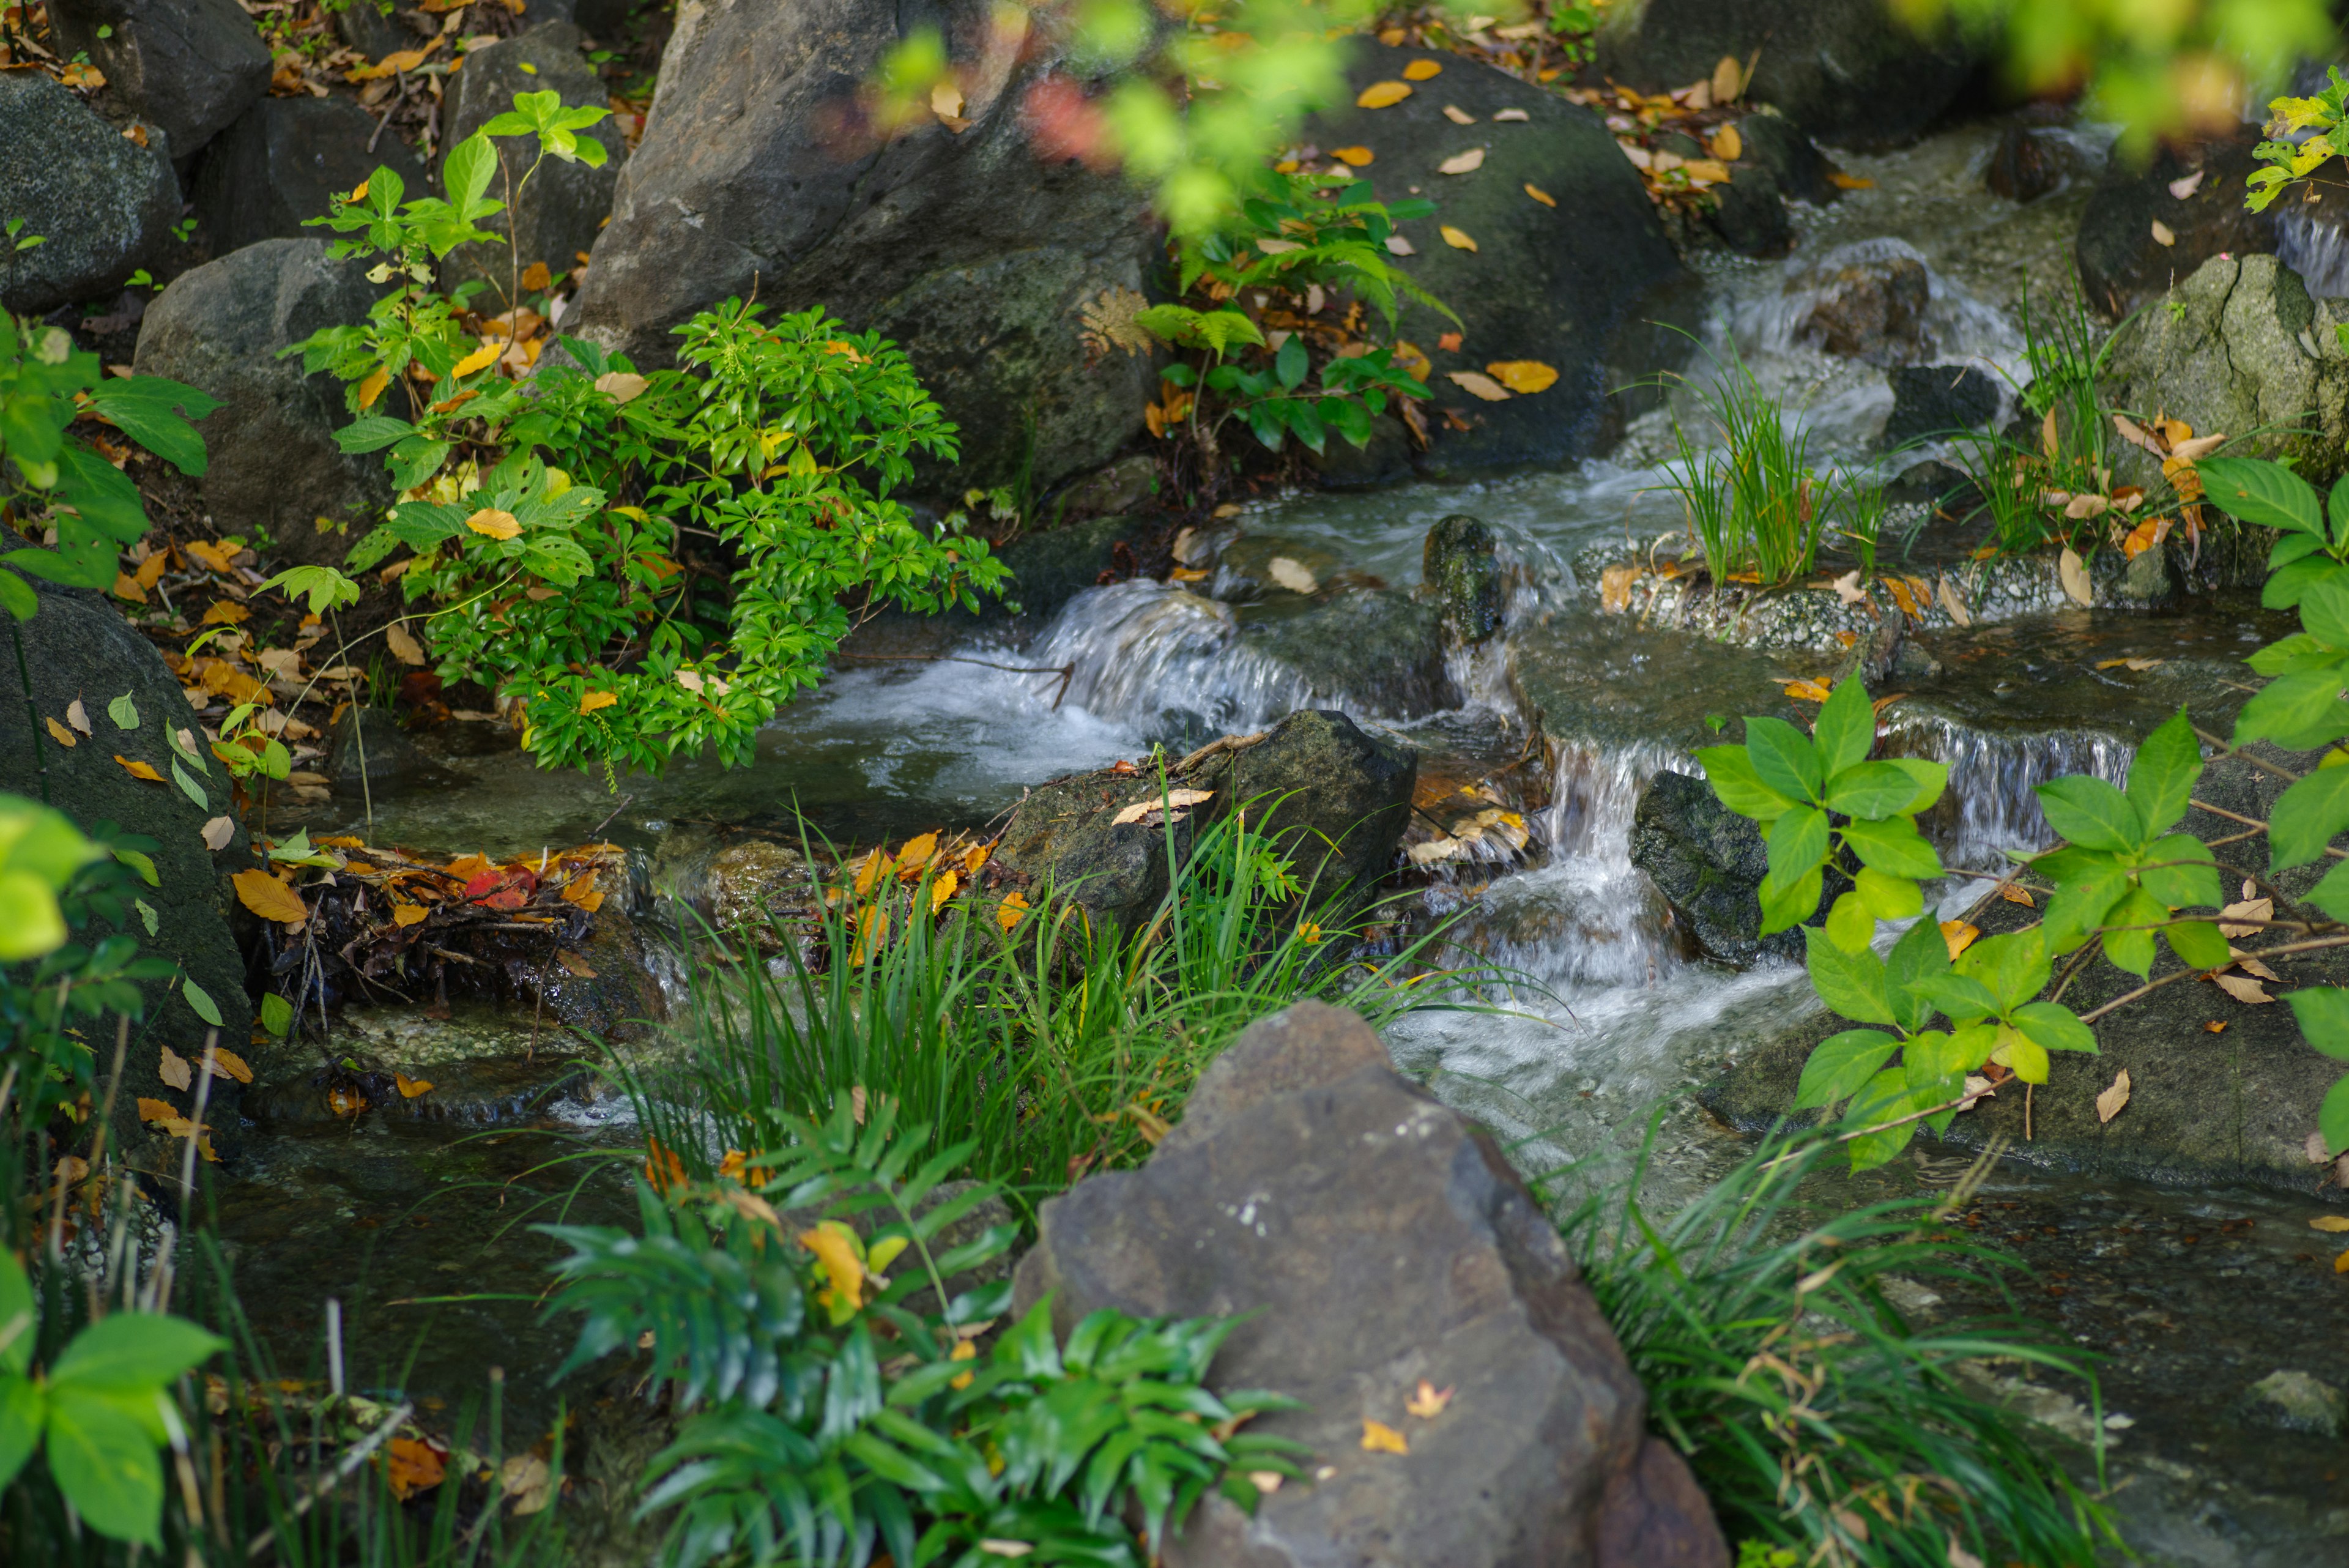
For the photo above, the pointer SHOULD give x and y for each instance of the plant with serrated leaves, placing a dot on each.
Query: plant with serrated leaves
(2304, 134)
(808, 1445)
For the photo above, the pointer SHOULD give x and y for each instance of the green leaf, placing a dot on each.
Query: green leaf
(1839, 1064)
(201, 1002)
(2325, 611)
(372, 432)
(19, 1315)
(2266, 494)
(2162, 778)
(1797, 843)
(2331, 1120)
(2288, 586)
(1845, 728)
(1919, 954)
(2197, 943)
(1784, 908)
(18, 596)
(2054, 1027)
(414, 460)
(1935, 1063)
(189, 787)
(2324, 1015)
(1962, 997)
(2299, 711)
(466, 172)
(2132, 948)
(1849, 925)
(133, 1350)
(1889, 897)
(2177, 872)
(124, 712)
(106, 1467)
(2014, 966)
(1932, 778)
(1784, 758)
(1737, 787)
(2307, 817)
(1851, 984)
(1883, 1098)
(2089, 812)
(2020, 1051)
(2331, 893)
(140, 862)
(155, 412)
(276, 1013)
(1892, 845)
(2087, 889)
(1871, 790)
(23, 1409)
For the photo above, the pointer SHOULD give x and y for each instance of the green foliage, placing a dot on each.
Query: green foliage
(1823, 1425)
(52, 478)
(815, 1447)
(2305, 133)
(2029, 492)
(545, 522)
(101, 1410)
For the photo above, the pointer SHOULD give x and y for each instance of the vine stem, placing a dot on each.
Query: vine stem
(2313, 945)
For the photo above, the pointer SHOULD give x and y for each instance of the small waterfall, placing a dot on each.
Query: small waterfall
(2315, 248)
(1989, 806)
(1150, 654)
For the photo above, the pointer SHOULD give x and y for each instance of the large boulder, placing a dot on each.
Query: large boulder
(101, 202)
(2239, 347)
(77, 647)
(191, 67)
(1375, 650)
(971, 247)
(274, 463)
(1376, 1244)
(1930, 401)
(1342, 798)
(1849, 71)
(2123, 260)
(283, 162)
(1708, 862)
(1577, 286)
(564, 207)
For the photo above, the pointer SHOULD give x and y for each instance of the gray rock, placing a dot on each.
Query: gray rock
(1770, 141)
(564, 205)
(1872, 300)
(2238, 347)
(1750, 213)
(376, 28)
(2294, 1402)
(1377, 650)
(275, 463)
(2032, 161)
(284, 161)
(1578, 286)
(1126, 485)
(2121, 264)
(1050, 568)
(102, 203)
(1385, 459)
(1378, 1239)
(1461, 570)
(969, 248)
(739, 884)
(1848, 71)
(368, 755)
(191, 67)
(79, 647)
(1342, 800)
(1708, 862)
(1934, 400)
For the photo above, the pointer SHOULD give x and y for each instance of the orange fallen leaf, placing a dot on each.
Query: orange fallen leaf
(1383, 95)
(1523, 374)
(915, 855)
(1421, 70)
(1809, 691)
(223, 1062)
(1843, 182)
(1360, 157)
(410, 1087)
(406, 914)
(2014, 894)
(1728, 145)
(2216, 1026)
(973, 859)
(411, 1467)
(267, 896)
(575, 963)
(1958, 936)
(594, 701)
(403, 646)
(535, 277)
(1428, 1403)
(495, 524)
(139, 770)
(1378, 1438)
(1538, 194)
(1008, 913)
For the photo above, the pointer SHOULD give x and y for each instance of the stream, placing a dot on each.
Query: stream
(2191, 1294)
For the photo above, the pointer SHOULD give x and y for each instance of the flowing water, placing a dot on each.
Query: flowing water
(1614, 1020)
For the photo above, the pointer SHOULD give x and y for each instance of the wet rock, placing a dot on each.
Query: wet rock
(736, 882)
(972, 249)
(79, 647)
(1871, 306)
(1050, 568)
(1461, 570)
(1376, 650)
(1377, 1238)
(376, 31)
(1769, 140)
(2293, 1402)
(1849, 71)
(190, 67)
(1126, 485)
(619, 998)
(2240, 348)
(2123, 263)
(1750, 213)
(273, 461)
(1708, 862)
(2029, 162)
(103, 203)
(1385, 459)
(2151, 581)
(284, 160)
(1343, 798)
(1935, 399)
(1578, 286)
(565, 207)
(368, 754)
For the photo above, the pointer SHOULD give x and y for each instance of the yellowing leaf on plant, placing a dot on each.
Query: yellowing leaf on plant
(1477, 384)
(1466, 163)
(840, 1255)
(480, 359)
(267, 896)
(1538, 194)
(1428, 1402)
(1958, 937)
(2109, 1102)
(410, 1087)
(1378, 1438)
(1383, 95)
(1455, 238)
(1523, 374)
(139, 770)
(593, 701)
(1360, 157)
(371, 387)
(1422, 69)
(494, 523)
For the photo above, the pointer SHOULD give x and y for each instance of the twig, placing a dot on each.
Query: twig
(2281, 949)
(2252, 823)
(615, 811)
(2228, 748)
(351, 1461)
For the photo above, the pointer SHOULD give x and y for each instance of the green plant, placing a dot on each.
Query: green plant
(2304, 134)
(1825, 1426)
(815, 1448)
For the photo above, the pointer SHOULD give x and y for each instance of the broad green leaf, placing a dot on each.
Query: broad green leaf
(1884, 1098)
(1784, 758)
(1851, 984)
(1839, 1064)
(1849, 925)
(23, 1409)
(2300, 712)
(1893, 846)
(2162, 778)
(2023, 1056)
(2331, 894)
(1871, 790)
(133, 1350)
(2197, 943)
(1935, 1065)
(2266, 494)
(1962, 997)
(1889, 897)
(155, 412)
(1784, 908)
(201, 1002)
(2131, 947)
(102, 496)
(1932, 778)
(2325, 611)
(2090, 812)
(1797, 843)
(466, 172)
(2178, 873)
(2289, 585)
(2084, 894)
(2307, 817)
(105, 1466)
(276, 1013)
(372, 432)
(1920, 953)
(2014, 965)
(2332, 1121)
(18, 596)
(1845, 728)
(2324, 1015)
(2054, 1027)
(19, 1315)
(124, 712)
(1737, 787)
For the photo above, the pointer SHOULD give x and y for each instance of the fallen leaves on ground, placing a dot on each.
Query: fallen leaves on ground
(1466, 163)
(1805, 689)
(1477, 384)
(1958, 936)
(2109, 1102)
(59, 734)
(2163, 235)
(2183, 189)
(1458, 115)
(2074, 577)
(403, 647)
(1168, 807)
(411, 1467)
(1457, 238)
(269, 897)
(2243, 988)
(2139, 665)
(1421, 70)
(1523, 376)
(1292, 575)
(410, 1087)
(1538, 194)
(1378, 1438)
(1383, 95)
(173, 1069)
(2334, 1223)
(1428, 1402)
(139, 770)
(79, 717)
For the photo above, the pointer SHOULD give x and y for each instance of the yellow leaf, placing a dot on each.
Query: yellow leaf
(1727, 145)
(2340, 1264)
(1383, 95)
(964, 1350)
(497, 524)
(1523, 374)
(1421, 70)
(480, 359)
(1458, 115)
(2163, 235)
(1008, 913)
(173, 1069)
(915, 855)
(58, 733)
(359, 190)
(267, 896)
(944, 888)
(595, 701)
(1809, 691)
(2333, 1223)
(1477, 384)
(1428, 1403)
(535, 277)
(1378, 1438)
(223, 1062)
(1843, 182)
(412, 1087)
(1455, 238)
(1466, 163)
(403, 647)
(1728, 80)
(1360, 157)
(404, 915)
(161, 1112)
(372, 388)
(1958, 936)
(1704, 172)
(139, 770)
(835, 1248)
(1538, 194)
(2075, 579)
(226, 612)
